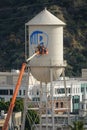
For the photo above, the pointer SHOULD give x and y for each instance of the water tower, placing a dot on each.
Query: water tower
(45, 29)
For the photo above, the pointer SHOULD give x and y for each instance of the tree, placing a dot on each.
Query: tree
(18, 105)
(4, 106)
(32, 118)
(77, 125)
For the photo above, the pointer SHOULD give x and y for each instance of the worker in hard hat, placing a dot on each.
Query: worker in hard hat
(41, 49)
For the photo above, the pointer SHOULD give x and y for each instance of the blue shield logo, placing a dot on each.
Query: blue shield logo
(38, 38)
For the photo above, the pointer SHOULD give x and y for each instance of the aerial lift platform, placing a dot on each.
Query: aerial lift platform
(40, 50)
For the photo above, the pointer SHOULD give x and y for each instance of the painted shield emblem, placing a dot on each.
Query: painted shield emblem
(38, 38)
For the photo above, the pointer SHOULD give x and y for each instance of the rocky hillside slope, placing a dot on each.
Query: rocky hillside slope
(13, 16)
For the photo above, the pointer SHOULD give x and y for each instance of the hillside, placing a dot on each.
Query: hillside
(13, 16)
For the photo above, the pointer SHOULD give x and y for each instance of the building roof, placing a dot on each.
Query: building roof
(45, 18)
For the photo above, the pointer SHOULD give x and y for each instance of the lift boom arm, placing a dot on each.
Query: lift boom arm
(5, 127)
(40, 50)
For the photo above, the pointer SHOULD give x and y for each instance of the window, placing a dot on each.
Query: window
(23, 92)
(61, 104)
(11, 92)
(76, 100)
(4, 92)
(57, 104)
(82, 89)
(59, 91)
(19, 92)
(69, 90)
(37, 92)
(36, 99)
(62, 90)
(82, 106)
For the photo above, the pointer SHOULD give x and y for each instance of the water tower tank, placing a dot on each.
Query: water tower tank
(46, 29)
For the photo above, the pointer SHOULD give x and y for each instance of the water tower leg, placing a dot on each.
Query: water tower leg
(24, 116)
(25, 104)
(51, 91)
(40, 105)
(66, 96)
(46, 91)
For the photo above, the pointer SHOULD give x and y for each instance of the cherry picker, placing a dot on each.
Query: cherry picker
(40, 50)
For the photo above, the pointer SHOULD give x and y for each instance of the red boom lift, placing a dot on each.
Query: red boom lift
(40, 50)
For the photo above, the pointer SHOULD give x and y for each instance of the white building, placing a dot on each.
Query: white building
(8, 81)
(76, 90)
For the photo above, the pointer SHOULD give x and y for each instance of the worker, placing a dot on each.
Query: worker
(41, 49)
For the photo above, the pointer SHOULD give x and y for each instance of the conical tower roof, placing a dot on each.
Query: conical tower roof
(45, 18)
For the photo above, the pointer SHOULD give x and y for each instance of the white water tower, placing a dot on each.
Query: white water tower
(45, 29)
